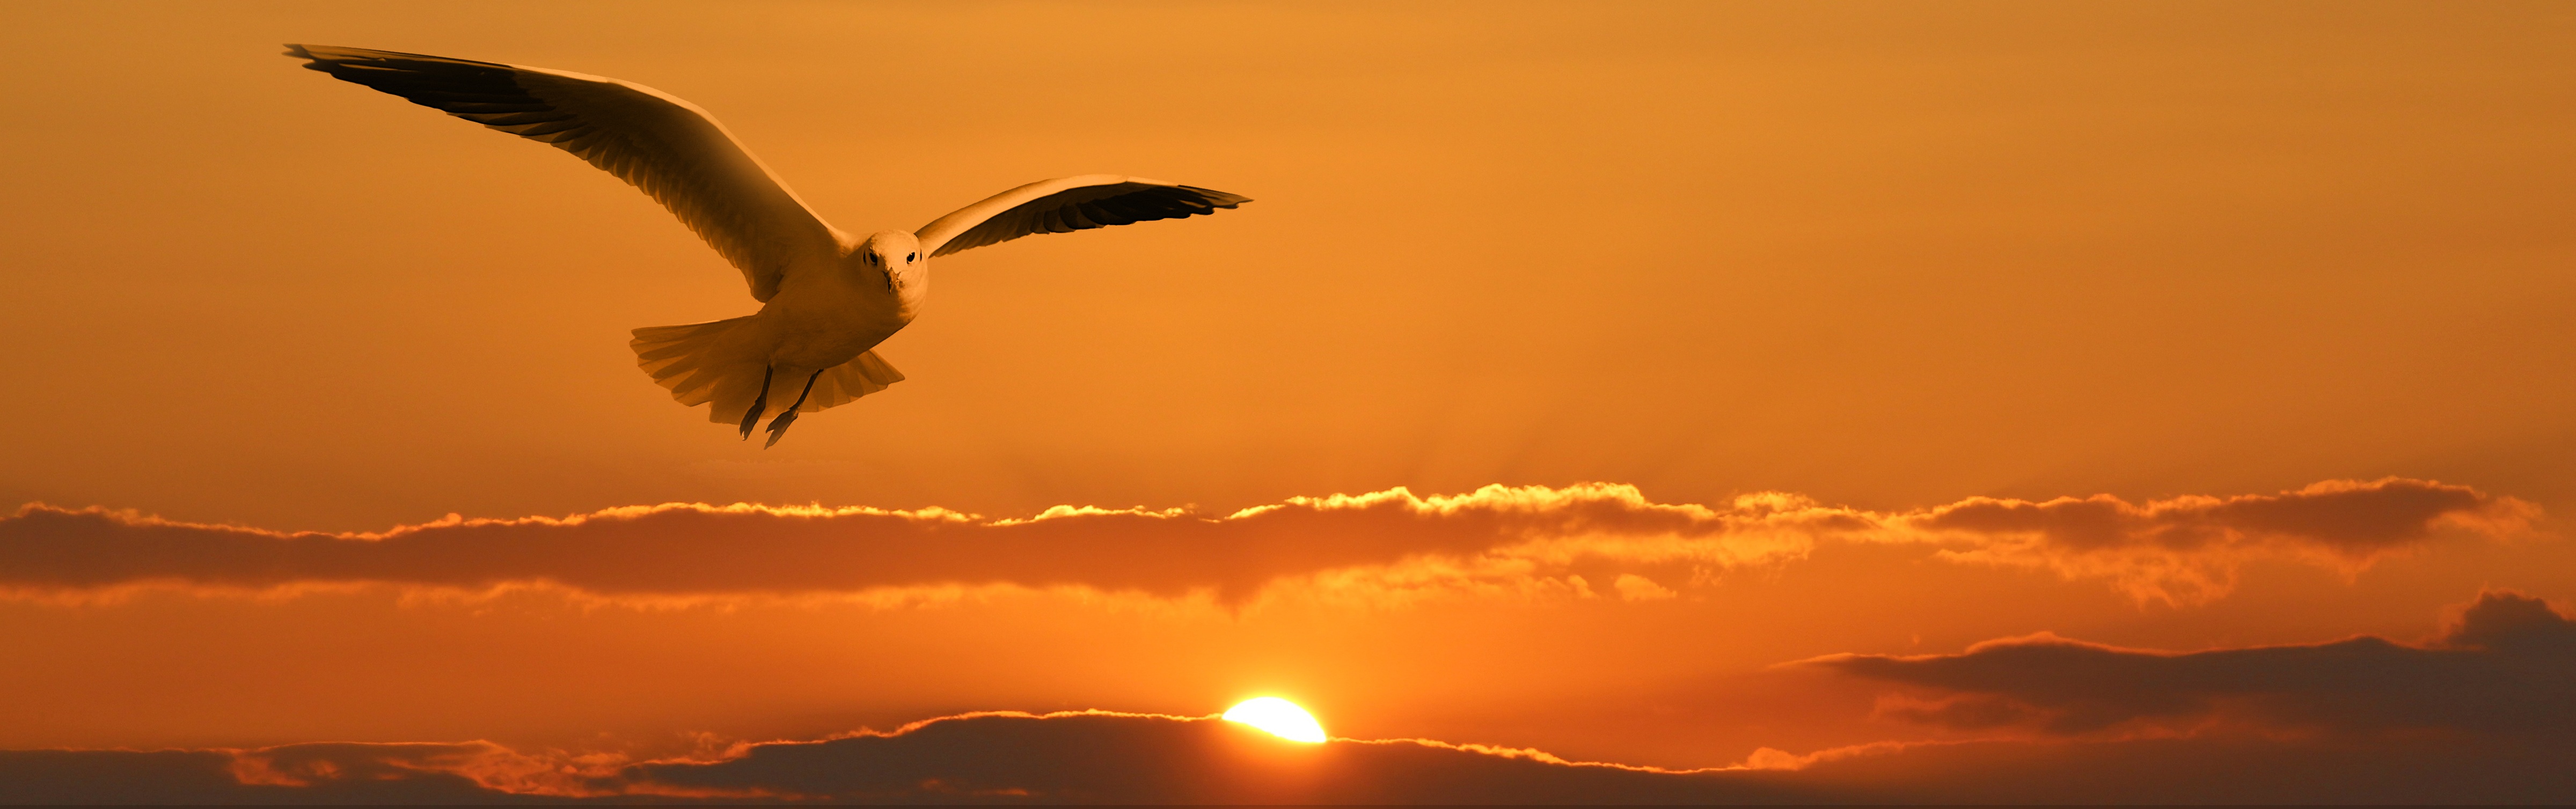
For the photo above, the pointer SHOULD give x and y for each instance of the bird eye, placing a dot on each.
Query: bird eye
(907, 257)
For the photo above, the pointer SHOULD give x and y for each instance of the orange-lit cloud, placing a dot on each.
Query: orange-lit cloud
(2188, 549)
(2506, 669)
(2185, 549)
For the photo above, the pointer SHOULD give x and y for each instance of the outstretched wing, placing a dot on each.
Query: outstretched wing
(1067, 205)
(665, 146)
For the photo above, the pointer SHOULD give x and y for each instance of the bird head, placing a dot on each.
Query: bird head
(896, 254)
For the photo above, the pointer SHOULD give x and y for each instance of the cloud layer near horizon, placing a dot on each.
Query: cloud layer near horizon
(1006, 757)
(999, 759)
(2479, 713)
(2181, 550)
(2505, 669)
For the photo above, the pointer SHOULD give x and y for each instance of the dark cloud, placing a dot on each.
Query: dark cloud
(1116, 758)
(353, 776)
(2207, 770)
(2506, 669)
(980, 758)
(1109, 758)
(1496, 533)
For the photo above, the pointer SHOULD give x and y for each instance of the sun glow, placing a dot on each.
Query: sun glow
(1281, 717)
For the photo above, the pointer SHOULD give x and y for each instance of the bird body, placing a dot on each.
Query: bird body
(825, 318)
(827, 299)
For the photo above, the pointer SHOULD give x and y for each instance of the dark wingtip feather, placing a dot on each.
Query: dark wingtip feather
(311, 62)
(1219, 198)
(339, 55)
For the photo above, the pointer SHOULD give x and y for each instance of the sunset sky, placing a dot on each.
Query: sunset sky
(1781, 402)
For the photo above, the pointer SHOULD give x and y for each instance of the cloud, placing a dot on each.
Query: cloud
(688, 549)
(1102, 757)
(1125, 758)
(2504, 670)
(2188, 549)
(2220, 770)
(1091, 757)
(356, 775)
(1390, 542)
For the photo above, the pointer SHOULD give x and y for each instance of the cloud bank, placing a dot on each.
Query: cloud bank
(1081, 757)
(2188, 549)
(2505, 670)
(1098, 757)
(2180, 550)
(2484, 711)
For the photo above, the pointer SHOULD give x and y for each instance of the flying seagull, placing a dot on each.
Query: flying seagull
(828, 298)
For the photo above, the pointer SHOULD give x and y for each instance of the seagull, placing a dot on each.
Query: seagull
(827, 298)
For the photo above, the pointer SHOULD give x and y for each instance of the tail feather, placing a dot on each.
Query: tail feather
(720, 364)
(846, 382)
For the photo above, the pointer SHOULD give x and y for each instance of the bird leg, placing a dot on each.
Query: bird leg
(778, 429)
(758, 403)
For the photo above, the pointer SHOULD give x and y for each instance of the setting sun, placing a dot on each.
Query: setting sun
(1281, 717)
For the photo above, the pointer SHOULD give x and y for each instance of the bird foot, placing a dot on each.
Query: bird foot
(759, 404)
(778, 428)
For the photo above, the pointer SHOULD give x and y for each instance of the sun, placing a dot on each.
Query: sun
(1281, 717)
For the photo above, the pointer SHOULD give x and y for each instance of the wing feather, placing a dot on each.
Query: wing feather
(668, 148)
(1067, 205)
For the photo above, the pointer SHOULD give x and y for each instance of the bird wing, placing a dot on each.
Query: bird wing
(1067, 205)
(660, 144)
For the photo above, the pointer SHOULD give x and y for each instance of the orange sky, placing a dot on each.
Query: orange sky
(1782, 326)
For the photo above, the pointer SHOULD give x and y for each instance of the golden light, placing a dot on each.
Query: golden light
(1281, 717)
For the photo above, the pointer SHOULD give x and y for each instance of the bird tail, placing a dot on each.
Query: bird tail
(722, 364)
(845, 383)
